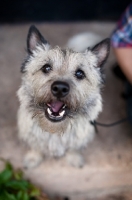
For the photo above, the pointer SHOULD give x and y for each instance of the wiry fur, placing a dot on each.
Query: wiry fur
(84, 99)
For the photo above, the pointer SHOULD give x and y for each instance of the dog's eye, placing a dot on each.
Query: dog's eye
(46, 68)
(80, 74)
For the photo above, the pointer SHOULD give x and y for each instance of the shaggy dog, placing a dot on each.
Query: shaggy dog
(59, 96)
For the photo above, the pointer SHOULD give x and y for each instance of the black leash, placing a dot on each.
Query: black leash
(95, 124)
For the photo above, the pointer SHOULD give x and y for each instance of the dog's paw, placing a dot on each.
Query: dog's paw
(75, 159)
(32, 159)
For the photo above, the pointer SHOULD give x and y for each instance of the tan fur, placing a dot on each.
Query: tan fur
(84, 101)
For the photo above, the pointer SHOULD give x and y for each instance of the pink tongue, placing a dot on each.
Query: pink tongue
(56, 106)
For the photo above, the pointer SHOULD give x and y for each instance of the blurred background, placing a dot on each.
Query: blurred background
(17, 11)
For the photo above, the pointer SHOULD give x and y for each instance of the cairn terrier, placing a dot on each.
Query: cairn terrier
(59, 96)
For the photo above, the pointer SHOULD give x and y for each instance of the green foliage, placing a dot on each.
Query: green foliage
(14, 187)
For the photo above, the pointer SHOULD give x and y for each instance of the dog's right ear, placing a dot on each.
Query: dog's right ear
(101, 50)
(34, 39)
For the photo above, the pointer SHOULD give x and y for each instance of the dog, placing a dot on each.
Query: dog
(59, 95)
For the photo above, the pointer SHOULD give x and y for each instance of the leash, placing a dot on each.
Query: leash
(95, 123)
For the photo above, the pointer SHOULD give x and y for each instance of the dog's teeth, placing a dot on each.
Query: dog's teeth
(49, 111)
(64, 106)
(48, 105)
(62, 113)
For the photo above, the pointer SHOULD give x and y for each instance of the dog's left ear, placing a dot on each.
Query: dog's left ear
(35, 38)
(101, 50)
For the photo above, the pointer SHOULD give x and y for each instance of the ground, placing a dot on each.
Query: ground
(108, 170)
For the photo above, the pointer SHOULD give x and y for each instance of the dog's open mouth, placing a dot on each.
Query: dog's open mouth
(56, 111)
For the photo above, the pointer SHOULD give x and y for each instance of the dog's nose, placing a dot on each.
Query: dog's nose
(60, 89)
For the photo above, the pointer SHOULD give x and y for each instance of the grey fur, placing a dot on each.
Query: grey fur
(84, 101)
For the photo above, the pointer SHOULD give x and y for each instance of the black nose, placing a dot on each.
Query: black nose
(60, 89)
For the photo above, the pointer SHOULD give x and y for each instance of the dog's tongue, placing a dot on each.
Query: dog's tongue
(56, 106)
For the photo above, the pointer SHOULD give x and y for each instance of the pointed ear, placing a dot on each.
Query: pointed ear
(35, 38)
(101, 50)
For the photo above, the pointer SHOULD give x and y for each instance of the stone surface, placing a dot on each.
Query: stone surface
(108, 170)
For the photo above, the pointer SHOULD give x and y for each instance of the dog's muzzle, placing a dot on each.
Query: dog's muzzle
(56, 110)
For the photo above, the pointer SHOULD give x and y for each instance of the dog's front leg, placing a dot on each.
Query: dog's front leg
(74, 158)
(32, 159)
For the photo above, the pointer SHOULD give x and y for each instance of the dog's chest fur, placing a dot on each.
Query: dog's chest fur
(78, 133)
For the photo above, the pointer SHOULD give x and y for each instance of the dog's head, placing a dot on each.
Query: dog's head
(61, 85)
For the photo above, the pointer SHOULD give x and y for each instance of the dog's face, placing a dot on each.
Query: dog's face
(61, 85)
